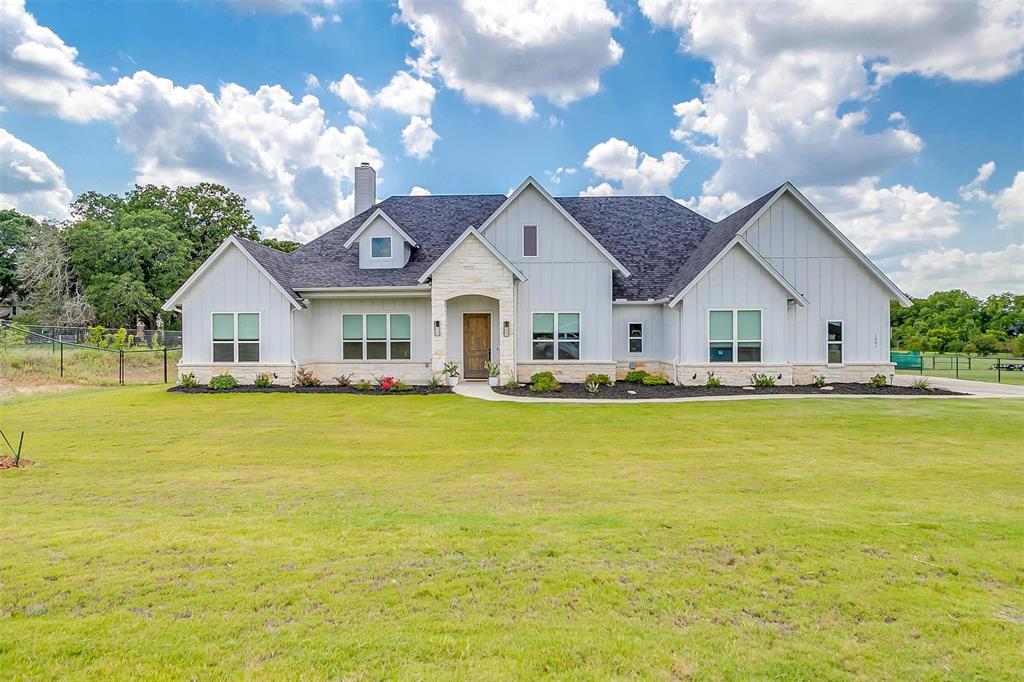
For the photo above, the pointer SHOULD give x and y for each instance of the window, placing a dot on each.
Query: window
(376, 336)
(734, 335)
(556, 336)
(236, 337)
(636, 337)
(835, 342)
(380, 247)
(529, 241)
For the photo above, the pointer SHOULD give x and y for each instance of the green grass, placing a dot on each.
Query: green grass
(353, 537)
(980, 368)
(40, 364)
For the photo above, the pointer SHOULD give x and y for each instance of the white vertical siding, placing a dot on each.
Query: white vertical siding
(399, 251)
(318, 328)
(569, 274)
(836, 285)
(648, 315)
(233, 284)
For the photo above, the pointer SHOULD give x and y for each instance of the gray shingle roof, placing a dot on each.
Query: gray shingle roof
(661, 242)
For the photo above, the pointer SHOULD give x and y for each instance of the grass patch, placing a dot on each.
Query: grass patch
(329, 536)
(40, 364)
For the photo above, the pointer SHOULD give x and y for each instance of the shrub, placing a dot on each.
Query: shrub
(386, 383)
(818, 380)
(513, 384)
(400, 387)
(713, 381)
(363, 385)
(435, 382)
(654, 380)
(636, 376)
(920, 384)
(344, 380)
(600, 379)
(94, 336)
(592, 386)
(188, 381)
(544, 382)
(223, 382)
(306, 379)
(492, 368)
(263, 380)
(451, 369)
(762, 380)
(878, 381)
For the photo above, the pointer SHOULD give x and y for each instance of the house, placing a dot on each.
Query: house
(532, 282)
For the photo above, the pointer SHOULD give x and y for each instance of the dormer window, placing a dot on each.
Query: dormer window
(380, 247)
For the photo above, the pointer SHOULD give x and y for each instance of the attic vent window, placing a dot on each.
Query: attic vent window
(380, 247)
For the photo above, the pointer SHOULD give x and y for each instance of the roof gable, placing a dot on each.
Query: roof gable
(379, 213)
(472, 232)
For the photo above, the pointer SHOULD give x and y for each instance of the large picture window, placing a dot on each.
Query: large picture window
(835, 342)
(236, 337)
(376, 336)
(734, 336)
(556, 336)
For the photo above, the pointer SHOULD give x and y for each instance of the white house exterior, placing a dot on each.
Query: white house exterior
(571, 285)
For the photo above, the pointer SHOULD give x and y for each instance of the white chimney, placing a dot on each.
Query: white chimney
(366, 187)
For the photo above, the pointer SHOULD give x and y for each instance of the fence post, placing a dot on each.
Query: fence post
(120, 367)
(999, 372)
(61, 359)
(957, 366)
(165, 364)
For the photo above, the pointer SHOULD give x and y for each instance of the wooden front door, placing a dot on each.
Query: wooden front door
(476, 344)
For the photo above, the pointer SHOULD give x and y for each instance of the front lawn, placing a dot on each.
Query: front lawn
(273, 536)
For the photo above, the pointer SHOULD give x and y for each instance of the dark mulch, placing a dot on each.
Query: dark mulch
(627, 391)
(416, 390)
(7, 462)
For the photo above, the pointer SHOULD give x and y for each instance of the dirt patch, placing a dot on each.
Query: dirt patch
(416, 390)
(7, 462)
(626, 391)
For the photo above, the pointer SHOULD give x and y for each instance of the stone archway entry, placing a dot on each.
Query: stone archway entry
(476, 344)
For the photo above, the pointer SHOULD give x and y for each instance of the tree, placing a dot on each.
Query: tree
(13, 241)
(119, 298)
(46, 274)
(280, 244)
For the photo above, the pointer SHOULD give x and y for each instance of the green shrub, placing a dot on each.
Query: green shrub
(600, 379)
(94, 336)
(513, 384)
(544, 382)
(306, 379)
(591, 386)
(188, 381)
(713, 381)
(435, 382)
(878, 381)
(636, 376)
(654, 380)
(263, 380)
(363, 385)
(400, 387)
(920, 384)
(223, 382)
(344, 380)
(818, 380)
(492, 368)
(762, 380)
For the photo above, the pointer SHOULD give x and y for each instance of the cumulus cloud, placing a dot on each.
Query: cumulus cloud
(636, 172)
(418, 137)
(29, 181)
(1008, 202)
(353, 94)
(505, 54)
(404, 94)
(418, 191)
(979, 272)
(407, 95)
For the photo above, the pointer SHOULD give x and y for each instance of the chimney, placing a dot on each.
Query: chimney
(366, 187)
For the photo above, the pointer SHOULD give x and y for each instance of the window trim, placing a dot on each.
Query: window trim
(387, 340)
(235, 341)
(536, 231)
(391, 247)
(556, 313)
(842, 344)
(735, 335)
(630, 338)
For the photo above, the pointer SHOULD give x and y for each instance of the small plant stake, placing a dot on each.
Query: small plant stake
(16, 453)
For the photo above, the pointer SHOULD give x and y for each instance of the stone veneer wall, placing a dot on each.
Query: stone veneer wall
(409, 371)
(857, 372)
(572, 372)
(649, 366)
(283, 375)
(472, 270)
(732, 374)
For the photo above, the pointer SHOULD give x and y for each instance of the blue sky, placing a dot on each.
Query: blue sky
(904, 127)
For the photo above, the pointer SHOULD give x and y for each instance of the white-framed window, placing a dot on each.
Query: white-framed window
(236, 337)
(376, 336)
(834, 341)
(734, 336)
(380, 247)
(635, 337)
(556, 336)
(529, 241)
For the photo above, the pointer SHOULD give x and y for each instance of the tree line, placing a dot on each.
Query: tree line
(118, 257)
(956, 322)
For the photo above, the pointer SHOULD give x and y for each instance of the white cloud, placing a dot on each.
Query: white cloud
(407, 95)
(555, 176)
(29, 181)
(318, 12)
(980, 273)
(418, 191)
(1008, 202)
(353, 94)
(505, 54)
(312, 82)
(419, 138)
(616, 160)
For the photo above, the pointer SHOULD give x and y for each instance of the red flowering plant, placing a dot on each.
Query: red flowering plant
(387, 383)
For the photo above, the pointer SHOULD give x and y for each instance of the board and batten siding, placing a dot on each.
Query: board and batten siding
(233, 284)
(836, 285)
(400, 249)
(318, 327)
(651, 318)
(737, 281)
(569, 274)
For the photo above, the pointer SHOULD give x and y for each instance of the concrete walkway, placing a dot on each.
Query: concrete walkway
(975, 389)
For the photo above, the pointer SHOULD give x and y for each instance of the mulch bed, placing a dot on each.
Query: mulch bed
(416, 390)
(7, 462)
(627, 391)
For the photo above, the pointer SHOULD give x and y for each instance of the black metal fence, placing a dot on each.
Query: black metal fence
(997, 368)
(148, 337)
